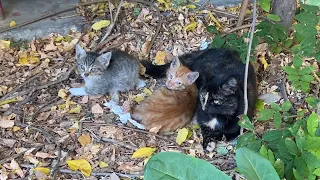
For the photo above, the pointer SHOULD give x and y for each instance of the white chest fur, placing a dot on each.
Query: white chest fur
(212, 123)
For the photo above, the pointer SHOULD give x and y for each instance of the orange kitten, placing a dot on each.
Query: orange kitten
(171, 107)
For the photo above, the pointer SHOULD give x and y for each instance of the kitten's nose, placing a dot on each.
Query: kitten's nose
(86, 74)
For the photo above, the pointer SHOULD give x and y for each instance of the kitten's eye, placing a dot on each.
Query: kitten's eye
(178, 83)
(94, 69)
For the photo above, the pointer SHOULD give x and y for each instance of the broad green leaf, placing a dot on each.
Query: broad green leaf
(318, 132)
(275, 106)
(218, 42)
(297, 61)
(279, 167)
(291, 146)
(312, 143)
(254, 166)
(312, 123)
(277, 120)
(245, 139)
(307, 78)
(286, 106)
(290, 70)
(317, 172)
(301, 166)
(312, 101)
(263, 151)
(300, 138)
(245, 122)
(317, 56)
(310, 159)
(265, 5)
(255, 145)
(288, 43)
(283, 150)
(312, 7)
(265, 114)
(271, 156)
(274, 17)
(305, 31)
(305, 70)
(297, 175)
(178, 166)
(259, 105)
(272, 135)
(212, 29)
(307, 18)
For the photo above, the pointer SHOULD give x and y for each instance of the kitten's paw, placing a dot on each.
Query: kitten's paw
(78, 91)
(141, 83)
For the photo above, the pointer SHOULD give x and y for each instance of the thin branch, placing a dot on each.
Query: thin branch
(47, 135)
(113, 23)
(118, 143)
(52, 14)
(245, 88)
(243, 10)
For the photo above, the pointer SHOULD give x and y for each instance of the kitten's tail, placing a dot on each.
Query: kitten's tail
(154, 70)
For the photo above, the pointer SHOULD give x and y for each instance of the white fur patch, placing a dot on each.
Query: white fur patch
(78, 91)
(141, 83)
(212, 123)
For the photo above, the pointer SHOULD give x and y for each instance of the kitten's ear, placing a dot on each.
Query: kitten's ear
(192, 77)
(175, 63)
(105, 58)
(230, 86)
(80, 52)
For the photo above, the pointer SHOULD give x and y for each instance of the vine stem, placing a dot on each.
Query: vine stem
(245, 88)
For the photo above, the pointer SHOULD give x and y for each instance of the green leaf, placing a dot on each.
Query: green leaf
(136, 11)
(290, 70)
(259, 105)
(278, 50)
(312, 143)
(305, 31)
(174, 166)
(307, 19)
(263, 151)
(218, 42)
(265, 5)
(245, 139)
(273, 17)
(300, 138)
(312, 101)
(288, 43)
(279, 166)
(301, 166)
(316, 172)
(212, 29)
(265, 114)
(284, 152)
(255, 145)
(305, 70)
(275, 106)
(313, 8)
(307, 78)
(313, 124)
(317, 56)
(291, 146)
(286, 106)
(253, 166)
(297, 175)
(318, 132)
(272, 135)
(310, 159)
(297, 61)
(245, 122)
(271, 156)
(277, 120)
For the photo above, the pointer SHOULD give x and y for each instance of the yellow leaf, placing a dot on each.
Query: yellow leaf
(215, 20)
(192, 26)
(59, 39)
(263, 60)
(62, 93)
(8, 101)
(143, 152)
(15, 128)
(147, 91)
(76, 110)
(4, 44)
(26, 59)
(84, 139)
(182, 135)
(159, 59)
(103, 164)
(43, 170)
(12, 23)
(75, 125)
(196, 126)
(191, 6)
(100, 24)
(138, 98)
(82, 165)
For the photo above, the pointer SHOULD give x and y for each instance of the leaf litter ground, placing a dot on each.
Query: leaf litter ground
(40, 119)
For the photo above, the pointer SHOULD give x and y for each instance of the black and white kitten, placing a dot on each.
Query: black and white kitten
(220, 84)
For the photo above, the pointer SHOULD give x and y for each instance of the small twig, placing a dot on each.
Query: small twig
(110, 38)
(245, 88)
(110, 28)
(52, 14)
(20, 103)
(56, 168)
(238, 28)
(105, 49)
(109, 4)
(243, 10)
(118, 143)
(17, 155)
(92, 174)
(47, 135)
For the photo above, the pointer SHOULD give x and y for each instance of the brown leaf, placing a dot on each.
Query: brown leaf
(15, 166)
(97, 109)
(8, 142)
(50, 47)
(6, 123)
(84, 139)
(44, 155)
(84, 100)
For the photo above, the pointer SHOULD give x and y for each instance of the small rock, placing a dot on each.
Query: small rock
(270, 97)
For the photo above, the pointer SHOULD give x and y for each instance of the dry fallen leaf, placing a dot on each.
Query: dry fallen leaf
(96, 109)
(4, 44)
(44, 155)
(138, 98)
(143, 152)
(100, 24)
(263, 60)
(12, 23)
(16, 168)
(84, 139)
(82, 165)
(147, 91)
(28, 59)
(103, 164)
(8, 101)
(191, 26)
(43, 170)
(155, 129)
(6, 123)
(62, 93)
(182, 135)
(159, 59)
(8, 142)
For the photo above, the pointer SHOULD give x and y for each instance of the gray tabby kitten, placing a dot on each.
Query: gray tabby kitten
(111, 72)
